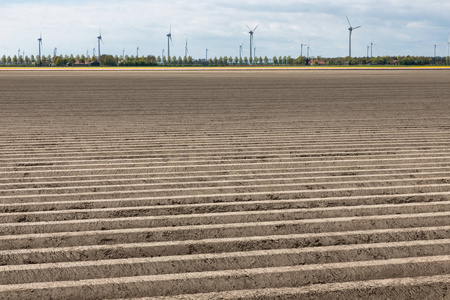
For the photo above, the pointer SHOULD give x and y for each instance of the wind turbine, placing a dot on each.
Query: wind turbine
(54, 51)
(448, 44)
(308, 48)
(435, 46)
(240, 50)
(251, 39)
(371, 48)
(350, 29)
(40, 45)
(137, 51)
(186, 50)
(207, 54)
(99, 38)
(169, 39)
(301, 47)
(123, 54)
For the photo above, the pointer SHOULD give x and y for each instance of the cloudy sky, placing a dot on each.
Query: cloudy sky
(397, 27)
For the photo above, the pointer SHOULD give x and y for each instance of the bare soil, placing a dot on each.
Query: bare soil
(280, 184)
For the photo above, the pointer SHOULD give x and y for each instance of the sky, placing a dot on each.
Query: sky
(396, 27)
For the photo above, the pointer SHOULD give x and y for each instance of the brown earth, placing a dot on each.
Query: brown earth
(300, 184)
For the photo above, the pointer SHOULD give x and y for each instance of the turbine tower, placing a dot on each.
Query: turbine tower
(186, 50)
(371, 48)
(240, 50)
(40, 45)
(207, 54)
(435, 46)
(301, 47)
(137, 52)
(350, 29)
(169, 39)
(251, 39)
(448, 44)
(308, 48)
(99, 38)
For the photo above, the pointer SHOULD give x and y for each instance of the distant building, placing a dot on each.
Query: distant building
(317, 62)
(78, 63)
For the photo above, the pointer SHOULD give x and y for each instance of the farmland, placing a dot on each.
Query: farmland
(314, 184)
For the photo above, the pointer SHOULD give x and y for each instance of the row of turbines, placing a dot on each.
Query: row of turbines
(252, 48)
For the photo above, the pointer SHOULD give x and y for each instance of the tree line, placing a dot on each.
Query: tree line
(150, 60)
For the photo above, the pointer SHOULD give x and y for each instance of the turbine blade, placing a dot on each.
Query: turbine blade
(348, 21)
(256, 27)
(356, 27)
(248, 27)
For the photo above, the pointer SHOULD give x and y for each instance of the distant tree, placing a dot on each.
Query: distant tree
(284, 60)
(260, 60)
(210, 62)
(164, 60)
(71, 60)
(180, 61)
(14, 60)
(300, 61)
(250, 60)
(275, 60)
(290, 60)
(59, 61)
(220, 61)
(4, 59)
(106, 60)
(82, 59)
(240, 61)
(280, 60)
(236, 60)
(245, 60)
(230, 60)
(8, 60)
(266, 60)
(216, 60)
(158, 59)
(185, 61)
(27, 60)
(20, 60)
(33, 59)
(174, 60)
(190, 60)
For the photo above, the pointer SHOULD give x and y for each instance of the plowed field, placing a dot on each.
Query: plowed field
(301, 184)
